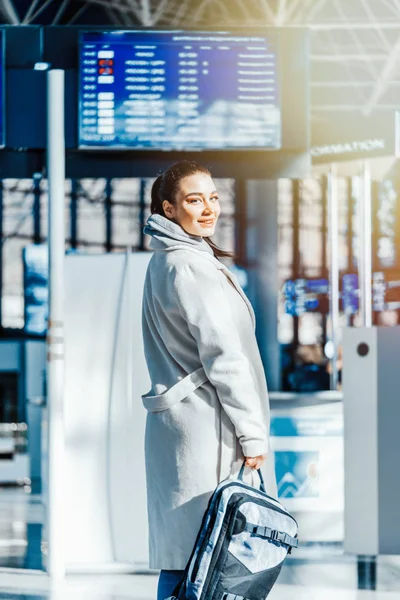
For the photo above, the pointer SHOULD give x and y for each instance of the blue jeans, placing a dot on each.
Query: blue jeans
(167, 582)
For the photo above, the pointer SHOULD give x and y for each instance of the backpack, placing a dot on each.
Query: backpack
(244, 537)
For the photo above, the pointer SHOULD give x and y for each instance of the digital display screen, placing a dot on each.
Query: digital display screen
(174, 90)
(2, 92)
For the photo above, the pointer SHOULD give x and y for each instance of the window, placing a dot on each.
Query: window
(17, 232)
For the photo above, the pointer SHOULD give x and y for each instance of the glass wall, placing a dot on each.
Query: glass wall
(101, 215)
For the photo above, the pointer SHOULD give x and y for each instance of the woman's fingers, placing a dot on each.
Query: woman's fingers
(254, 462)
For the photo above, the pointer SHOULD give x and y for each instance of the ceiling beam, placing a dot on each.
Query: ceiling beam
(295, 11)
(350, 107)
(352, 25)
(382, 81)
(160, 11)
(347, 57)
(280, 17)
(120, 7)
(38, 12)
(78, 13)
(349, 84)
(269, 13)
(9, 11)
(60, 12)
(145, 13)
(313, 9)
(180, 13)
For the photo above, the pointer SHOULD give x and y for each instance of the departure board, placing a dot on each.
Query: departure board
(174, 90)
(2, 90)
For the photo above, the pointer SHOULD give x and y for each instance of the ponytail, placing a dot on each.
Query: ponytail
(218, 252)
(156, 200)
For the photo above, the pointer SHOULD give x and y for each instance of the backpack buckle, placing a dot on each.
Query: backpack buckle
(278, 536)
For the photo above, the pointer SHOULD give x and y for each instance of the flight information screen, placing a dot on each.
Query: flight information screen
(2, 92)
(178, 90)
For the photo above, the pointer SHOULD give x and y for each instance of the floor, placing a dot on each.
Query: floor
(15, 586)
(313, 573)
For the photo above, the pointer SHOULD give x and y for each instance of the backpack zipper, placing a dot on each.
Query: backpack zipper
(227, 524)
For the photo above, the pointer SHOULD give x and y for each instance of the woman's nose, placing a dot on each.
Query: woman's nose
(207, 207)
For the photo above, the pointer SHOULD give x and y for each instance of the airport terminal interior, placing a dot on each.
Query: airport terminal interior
(294, 106)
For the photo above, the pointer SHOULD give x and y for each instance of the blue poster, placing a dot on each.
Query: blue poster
(36, 292)
(297, 474)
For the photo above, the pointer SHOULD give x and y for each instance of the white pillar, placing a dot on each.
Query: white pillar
(55, 331)
(333, 228)
(365, 250)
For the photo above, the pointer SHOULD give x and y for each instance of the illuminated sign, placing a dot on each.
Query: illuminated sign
(349, 137)
(349, 147)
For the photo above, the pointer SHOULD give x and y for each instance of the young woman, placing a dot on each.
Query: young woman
(208, 408)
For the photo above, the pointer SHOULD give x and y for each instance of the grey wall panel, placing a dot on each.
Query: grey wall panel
(10, 356)
(127, 418)
(389, 440)
(93, 286)
(360, 442)
(34, 375)
(104, 417)
(24, 46)
(262, 252)
(35, 367)
(25, 109)
(372, 441)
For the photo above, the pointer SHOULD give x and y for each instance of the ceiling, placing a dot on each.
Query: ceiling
(355, 44)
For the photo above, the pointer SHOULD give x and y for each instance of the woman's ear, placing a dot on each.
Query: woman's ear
(168, 209)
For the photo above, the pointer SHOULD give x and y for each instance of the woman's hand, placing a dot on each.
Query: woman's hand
(255, 462)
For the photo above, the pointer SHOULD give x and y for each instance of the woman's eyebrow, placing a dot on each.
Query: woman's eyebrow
(199, 194)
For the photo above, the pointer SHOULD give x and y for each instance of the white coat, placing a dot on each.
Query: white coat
(208, 406)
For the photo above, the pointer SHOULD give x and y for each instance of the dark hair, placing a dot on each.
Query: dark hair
(166, 186)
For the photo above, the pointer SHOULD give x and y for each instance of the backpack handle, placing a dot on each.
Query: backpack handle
(240, 476)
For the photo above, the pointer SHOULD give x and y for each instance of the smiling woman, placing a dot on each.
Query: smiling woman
(207, 409)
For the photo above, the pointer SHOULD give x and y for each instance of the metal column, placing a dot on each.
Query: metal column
(37, 177)
(324, 256)
(241, 222)
(142, 209)
(365, 251)
(55, 335)
(73, 209)
(108, 213)
(297, 270)
(1, 251)
(333, 225)
(349, 237)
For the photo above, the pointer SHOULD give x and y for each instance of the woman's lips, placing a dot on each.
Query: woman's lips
(209, 223)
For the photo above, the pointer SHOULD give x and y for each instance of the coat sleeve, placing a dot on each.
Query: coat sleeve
(204, 306)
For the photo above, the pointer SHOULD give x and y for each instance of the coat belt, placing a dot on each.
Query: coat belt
(176, 393)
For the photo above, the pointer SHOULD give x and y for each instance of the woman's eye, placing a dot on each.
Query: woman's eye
(215, 198)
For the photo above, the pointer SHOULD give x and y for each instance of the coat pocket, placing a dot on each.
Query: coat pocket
(176, 393)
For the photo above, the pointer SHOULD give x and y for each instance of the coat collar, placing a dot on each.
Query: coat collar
(167, 236)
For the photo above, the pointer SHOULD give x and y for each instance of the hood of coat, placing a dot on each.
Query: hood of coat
(166, 235)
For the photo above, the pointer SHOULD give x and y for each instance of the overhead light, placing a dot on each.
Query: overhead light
(42, 66)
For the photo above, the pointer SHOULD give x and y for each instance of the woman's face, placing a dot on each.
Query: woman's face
(196, 207)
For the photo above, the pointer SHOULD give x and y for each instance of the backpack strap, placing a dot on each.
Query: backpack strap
(226, 596)
(272, 534)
